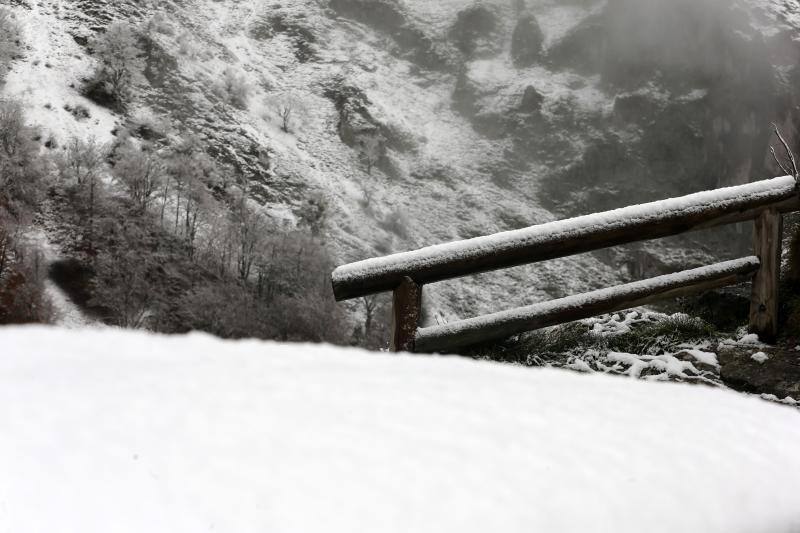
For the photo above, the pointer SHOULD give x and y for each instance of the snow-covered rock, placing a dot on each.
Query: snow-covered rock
(119, 431)
(471, 143)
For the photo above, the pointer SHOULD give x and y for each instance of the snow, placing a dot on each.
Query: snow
(751, 339)
(49, 77)
(759, 357)
(196, 434)
(725, 199)
(666, 365)
(67, 313)
(707, 358)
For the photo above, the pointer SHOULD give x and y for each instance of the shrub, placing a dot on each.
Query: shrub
(313, 213)
(10, 40)
(158, 23)
(647, 337)
(120, 66)
(234, 89)
(80, 112)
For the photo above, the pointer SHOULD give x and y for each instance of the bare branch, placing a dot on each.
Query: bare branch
(783, 168)
(794, 172)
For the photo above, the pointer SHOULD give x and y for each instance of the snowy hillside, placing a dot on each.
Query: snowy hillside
(196, 434)
(424, 122)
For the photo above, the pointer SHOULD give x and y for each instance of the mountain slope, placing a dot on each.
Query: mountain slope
(422, 122)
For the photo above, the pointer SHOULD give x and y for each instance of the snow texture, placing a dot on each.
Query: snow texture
(759, 357)
(773, 189)
(191, 434)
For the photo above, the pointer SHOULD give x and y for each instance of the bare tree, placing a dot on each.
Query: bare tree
(285, 108)
(249, 229)
(122, 284)
(376, 321)
(82, 166)
(190, 169)
(141, 172)
(20, 166)
(121, 66)
(7, 234)
(372, 149)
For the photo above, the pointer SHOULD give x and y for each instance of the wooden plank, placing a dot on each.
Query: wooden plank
(566, 238)
(505, 324)
(764, 298)
(406, 311)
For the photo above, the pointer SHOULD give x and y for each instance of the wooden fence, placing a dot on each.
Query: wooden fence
(407, 273)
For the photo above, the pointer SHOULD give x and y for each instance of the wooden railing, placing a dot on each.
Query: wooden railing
(406, 273)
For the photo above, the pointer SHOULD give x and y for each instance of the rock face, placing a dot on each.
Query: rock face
(526, 42)
(532, 100)
(390, 17)
(468, 116)
(473, 30)
(779, 374)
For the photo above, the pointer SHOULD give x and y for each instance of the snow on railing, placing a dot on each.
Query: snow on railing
(406, 273)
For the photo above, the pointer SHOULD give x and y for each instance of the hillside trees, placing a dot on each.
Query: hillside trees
(120, 66)
(191, 170)
(22, 274)
(20, 170)
(222, 265)
(81, 168)
(124, 285)
(248, 231)
(141, 172)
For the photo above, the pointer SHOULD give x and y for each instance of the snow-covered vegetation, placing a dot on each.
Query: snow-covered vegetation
(108, 430)
(389, 125)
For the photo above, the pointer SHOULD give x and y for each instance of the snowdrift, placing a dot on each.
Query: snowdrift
(117, 431)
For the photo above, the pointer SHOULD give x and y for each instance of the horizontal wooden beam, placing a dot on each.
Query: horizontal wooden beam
(449, 337)
(568, 237)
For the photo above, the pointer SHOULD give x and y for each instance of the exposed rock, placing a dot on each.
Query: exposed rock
(466, 95)
(639, 107)
(526, 42)
(778, 375)
(300, 34)
(474, 29)
(388, 16)
(581, 49)
(360, 130)
(532, 100)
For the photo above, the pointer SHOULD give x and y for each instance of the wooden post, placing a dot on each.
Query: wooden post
(406, 310)
(764, 298)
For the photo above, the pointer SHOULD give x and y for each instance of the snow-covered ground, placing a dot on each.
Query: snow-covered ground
(67, 313)
(118, 431)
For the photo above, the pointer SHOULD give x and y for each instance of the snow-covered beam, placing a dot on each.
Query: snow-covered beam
(567, 237)
(502, 325)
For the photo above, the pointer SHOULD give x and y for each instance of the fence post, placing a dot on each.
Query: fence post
(764, 297)
(406, 310)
